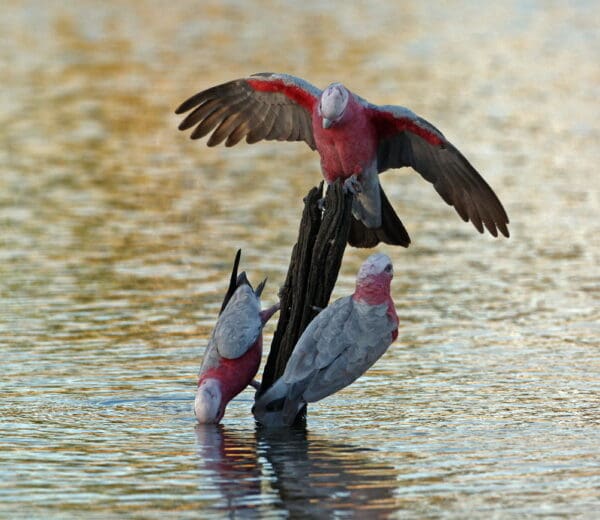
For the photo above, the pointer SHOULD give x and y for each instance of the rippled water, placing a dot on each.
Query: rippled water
(117, 235)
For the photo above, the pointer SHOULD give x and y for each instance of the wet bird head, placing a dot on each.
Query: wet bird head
(208, 405)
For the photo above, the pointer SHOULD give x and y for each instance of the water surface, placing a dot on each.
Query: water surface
(118, 232)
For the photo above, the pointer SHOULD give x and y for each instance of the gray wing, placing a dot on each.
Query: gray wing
(406, 139)
(337, 347)
(262, 106)
(239, 325)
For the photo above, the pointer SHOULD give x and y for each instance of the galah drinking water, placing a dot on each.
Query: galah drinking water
(234, 351)
(356, 141)
(337, 347)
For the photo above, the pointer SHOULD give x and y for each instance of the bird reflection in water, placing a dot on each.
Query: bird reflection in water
(291, 469)
(229, 460)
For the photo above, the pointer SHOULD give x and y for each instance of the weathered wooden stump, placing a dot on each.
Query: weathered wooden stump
(314, 267)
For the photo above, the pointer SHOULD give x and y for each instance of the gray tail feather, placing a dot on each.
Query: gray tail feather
(233, 284)
(391, 231)
(275, 407)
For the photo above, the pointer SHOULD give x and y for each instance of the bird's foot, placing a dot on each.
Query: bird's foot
(266, 314)
(352, 185)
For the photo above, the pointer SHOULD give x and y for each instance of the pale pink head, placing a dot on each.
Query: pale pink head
(332, 105)
(374, 279)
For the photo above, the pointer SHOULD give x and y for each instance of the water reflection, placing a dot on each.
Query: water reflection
(308, 476)
(117, 233)
(229, 459)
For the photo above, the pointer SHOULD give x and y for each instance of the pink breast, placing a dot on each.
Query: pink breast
(348, 147)
(236, 374)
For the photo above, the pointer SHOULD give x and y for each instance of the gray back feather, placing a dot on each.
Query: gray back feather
(337, 347)
(237, 328)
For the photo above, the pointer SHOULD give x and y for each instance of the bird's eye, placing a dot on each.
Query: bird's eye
(389, 268)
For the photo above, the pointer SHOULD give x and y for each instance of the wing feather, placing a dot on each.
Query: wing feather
(338, 347)
(239, 325)
(238, 134)
(262, 128)
(262, 106)
(232, 123)
(406, 139)
(226, 127)
(198, 114)
(209, 122)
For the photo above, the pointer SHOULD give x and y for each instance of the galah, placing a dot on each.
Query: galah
(337, 347)
(233, 354)
(356, 140)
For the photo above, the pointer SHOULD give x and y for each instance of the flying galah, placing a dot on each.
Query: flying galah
(356, 141)
(233, 353)
(337, 347)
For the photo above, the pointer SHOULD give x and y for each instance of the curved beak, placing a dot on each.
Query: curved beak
(326, 122)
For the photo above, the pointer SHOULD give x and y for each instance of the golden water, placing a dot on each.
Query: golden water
(117, 235)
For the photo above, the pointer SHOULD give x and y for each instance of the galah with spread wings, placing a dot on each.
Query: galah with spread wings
(233, 353)
(337, 347)
(356, 141)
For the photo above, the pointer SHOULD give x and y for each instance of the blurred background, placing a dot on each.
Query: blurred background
(117, 235)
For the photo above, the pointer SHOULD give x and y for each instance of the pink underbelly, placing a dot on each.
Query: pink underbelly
(340, 161)
(335, 167)
(236, 374)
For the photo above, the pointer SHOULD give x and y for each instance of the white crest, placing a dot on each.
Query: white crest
(207, 405)
(374, 265)
(334, 100)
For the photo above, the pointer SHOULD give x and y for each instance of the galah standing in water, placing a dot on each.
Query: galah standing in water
(234, 351)
(337, 347)
(356, 141)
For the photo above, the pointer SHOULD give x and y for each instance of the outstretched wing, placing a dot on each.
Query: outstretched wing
(406, 139)
(262, 106)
